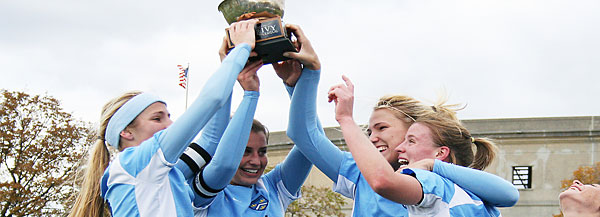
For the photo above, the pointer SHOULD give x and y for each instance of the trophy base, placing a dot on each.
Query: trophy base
(271, 41)
(271, 51)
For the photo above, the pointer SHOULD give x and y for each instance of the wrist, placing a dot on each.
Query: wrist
(286, 83)
(345, 120)
(313, 65)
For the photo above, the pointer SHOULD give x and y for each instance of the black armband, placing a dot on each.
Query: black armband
(195, 157)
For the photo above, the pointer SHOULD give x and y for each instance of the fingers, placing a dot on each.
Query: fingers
(257, 65)
(341, 90)
(277, 66)
(248, 77)
(223, 49)
(254, 66)
(243, 32)
(292, 55)
(297, 31)
(333, 92)
(349, 83)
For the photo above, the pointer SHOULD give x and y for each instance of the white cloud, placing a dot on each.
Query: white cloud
(504, 58)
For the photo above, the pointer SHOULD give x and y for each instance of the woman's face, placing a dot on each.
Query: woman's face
(253, 162)
(153, 119)
(386, 132)
(580, 197)
(418, 145)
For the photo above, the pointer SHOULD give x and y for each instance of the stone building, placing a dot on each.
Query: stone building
(535, 154)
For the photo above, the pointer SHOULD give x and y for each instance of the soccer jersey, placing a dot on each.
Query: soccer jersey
(268, 197)
(351, 184)
(140, 182)
(443, 198)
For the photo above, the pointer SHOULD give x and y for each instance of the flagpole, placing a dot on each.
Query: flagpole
(187, 85)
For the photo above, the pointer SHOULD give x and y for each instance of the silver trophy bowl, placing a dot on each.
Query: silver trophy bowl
(232, 9)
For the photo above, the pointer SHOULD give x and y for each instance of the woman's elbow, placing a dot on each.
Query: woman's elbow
(512, 198)
(380, 184)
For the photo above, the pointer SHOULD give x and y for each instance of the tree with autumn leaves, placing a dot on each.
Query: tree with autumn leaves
(585, 174)
(40, 149)
(317, 201)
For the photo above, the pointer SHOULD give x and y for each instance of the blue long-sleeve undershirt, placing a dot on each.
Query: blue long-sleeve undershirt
(305, 130)
(218, 173)
(210, 137)
(214, 94)
(490, 188)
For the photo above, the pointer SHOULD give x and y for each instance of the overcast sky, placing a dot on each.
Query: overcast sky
(504, 59)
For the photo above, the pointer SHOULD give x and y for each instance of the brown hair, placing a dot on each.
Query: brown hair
(448, 131)
(258, 127)
(89, 203)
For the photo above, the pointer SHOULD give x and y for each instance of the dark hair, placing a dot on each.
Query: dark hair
(258, 127)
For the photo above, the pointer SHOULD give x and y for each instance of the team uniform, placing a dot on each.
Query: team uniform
(142, 180)
(341, 168)
(268, 197)
(351, 184)
(443, 198)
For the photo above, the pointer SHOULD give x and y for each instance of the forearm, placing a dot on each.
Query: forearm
(369, 161)
(199, 153)
(305, 129)
(230, 150)
(218, 173)
(213, 95)
(212, 133)
(295, 169)
(492, 189)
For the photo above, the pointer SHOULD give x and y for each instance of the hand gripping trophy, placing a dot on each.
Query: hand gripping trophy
(272, 39)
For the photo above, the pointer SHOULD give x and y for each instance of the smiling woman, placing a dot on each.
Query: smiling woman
(255, 159)
(580, 200)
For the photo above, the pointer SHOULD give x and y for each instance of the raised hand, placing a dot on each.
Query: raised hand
(225, 49)
(343, 96)
(289, 71)
(306, 54)
(248, 78)
(243, 32)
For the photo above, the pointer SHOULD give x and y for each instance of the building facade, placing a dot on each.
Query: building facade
(535, 154)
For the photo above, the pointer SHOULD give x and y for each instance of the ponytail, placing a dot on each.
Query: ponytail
(486, 152)
(89, 202)
(449, 132)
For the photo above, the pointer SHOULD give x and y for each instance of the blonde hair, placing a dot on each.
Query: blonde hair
(89, 202)
(448, 131)
(405, 108)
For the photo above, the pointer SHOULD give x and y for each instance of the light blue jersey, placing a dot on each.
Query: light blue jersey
(268, 197)
(443, 198)
(142, 180)
(351, 184)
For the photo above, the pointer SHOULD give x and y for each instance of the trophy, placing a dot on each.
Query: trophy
(272, 39)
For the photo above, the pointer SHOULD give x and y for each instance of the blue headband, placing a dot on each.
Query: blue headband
(125, 115)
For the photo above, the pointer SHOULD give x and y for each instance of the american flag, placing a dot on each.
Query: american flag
(183, 76)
